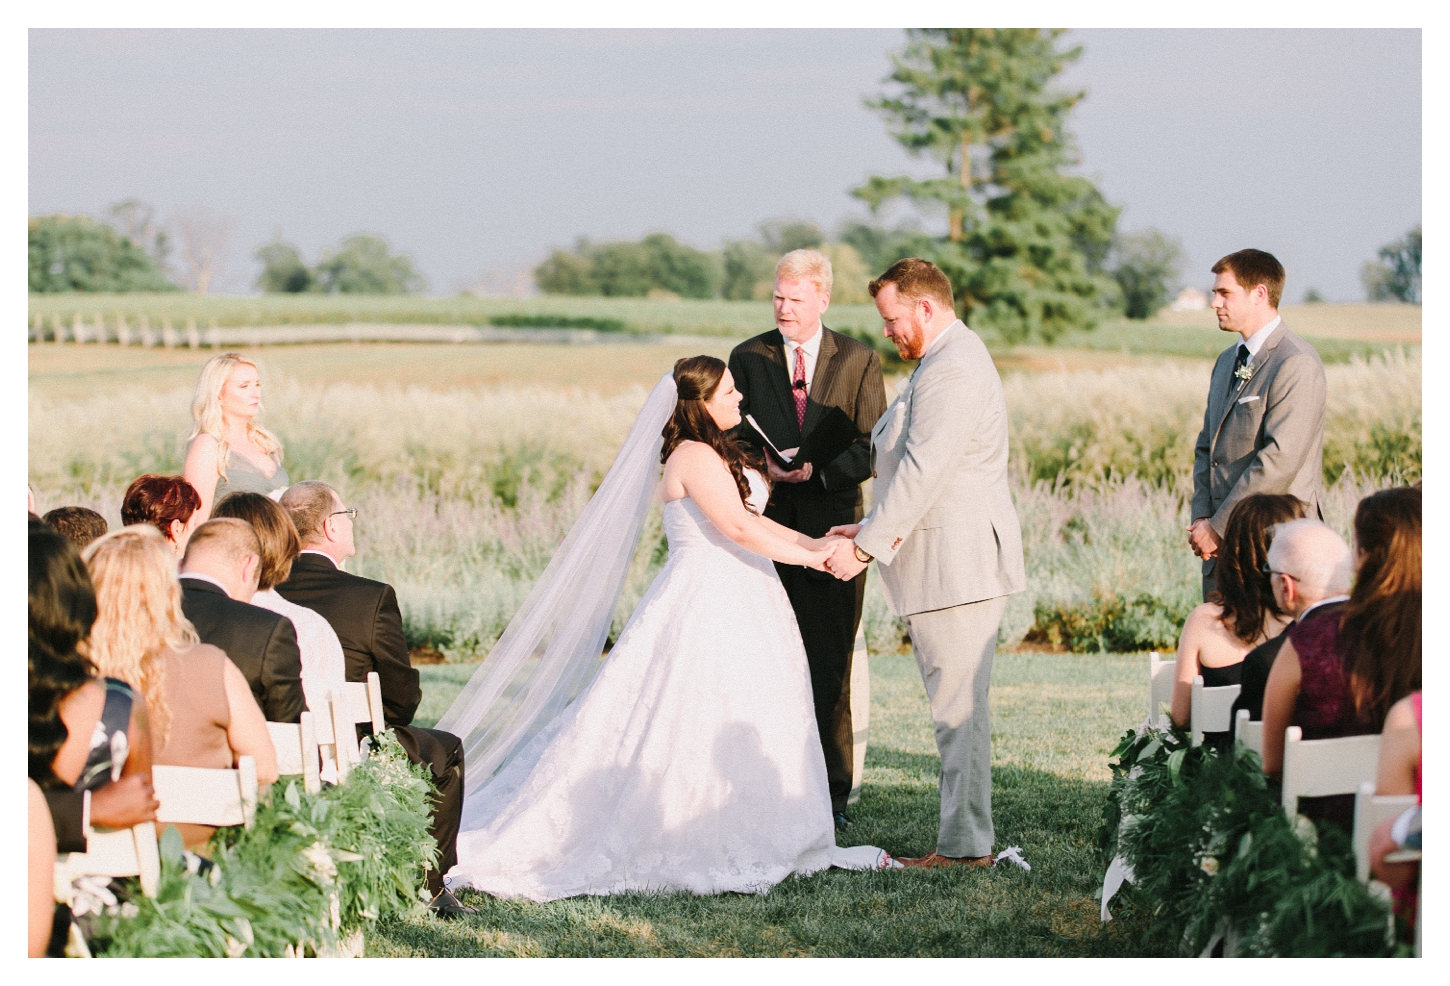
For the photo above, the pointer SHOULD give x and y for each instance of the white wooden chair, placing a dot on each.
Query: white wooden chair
(1370, 811)
(1316, 768)
(297, 750)
(358, 701)
(1160, 687)
(119, 852)
(860, 712)
(1249, 732)
(1210, 710)
(206, 796)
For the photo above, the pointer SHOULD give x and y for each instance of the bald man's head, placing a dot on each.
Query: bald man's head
(1316, 557)
(225, 549)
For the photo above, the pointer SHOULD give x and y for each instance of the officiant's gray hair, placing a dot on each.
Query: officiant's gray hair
(802, 265)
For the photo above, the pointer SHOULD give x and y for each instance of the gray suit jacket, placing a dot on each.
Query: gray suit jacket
(1263, 435)
(942, 524)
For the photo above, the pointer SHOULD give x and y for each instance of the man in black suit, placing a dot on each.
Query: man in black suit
(369, 625)
(1310, 571)
(816, 394)
(218, 580)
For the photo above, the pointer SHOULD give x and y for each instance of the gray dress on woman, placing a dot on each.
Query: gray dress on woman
(243, 477)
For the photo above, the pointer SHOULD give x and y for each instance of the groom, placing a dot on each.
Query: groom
(944, 531)
(816, 393)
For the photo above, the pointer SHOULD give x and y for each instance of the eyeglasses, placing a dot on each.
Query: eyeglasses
(1269, 571)
(350, 511)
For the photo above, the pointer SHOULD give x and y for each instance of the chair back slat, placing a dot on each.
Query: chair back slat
(205, 796)
(122, 852)
(1370, 811)
(1249, 732)
(1210, 709)
(297, 750)
(1318, 768)
(1160, 687)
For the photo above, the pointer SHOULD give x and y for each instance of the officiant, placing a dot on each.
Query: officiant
(811, 399)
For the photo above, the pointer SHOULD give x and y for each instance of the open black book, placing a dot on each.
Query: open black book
(831, 436)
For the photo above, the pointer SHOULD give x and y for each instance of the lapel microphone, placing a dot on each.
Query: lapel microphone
(799, 385)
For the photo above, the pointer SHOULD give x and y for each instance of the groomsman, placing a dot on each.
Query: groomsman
(816, 394)
(944, 532)
(1263, 427)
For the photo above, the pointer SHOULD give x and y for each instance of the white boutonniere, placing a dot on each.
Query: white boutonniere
(1245, 373)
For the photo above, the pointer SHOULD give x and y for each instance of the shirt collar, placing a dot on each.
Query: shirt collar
(1323, 602)
(937, 341)
(1256, 341)
(200, 577)
(321, 554)
(812, 346)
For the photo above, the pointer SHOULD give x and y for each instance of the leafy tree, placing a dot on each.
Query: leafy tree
(748, 269)
(781, 236)
(364, 265)
(76, 253)
(880, 247)
(567, 272)
(849, 274)
(1396, 275)
(1025, 242)
(622, 270)
(283, 271)
(1147, 266)
(673, 266)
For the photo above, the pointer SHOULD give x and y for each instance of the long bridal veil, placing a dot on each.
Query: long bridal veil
(551, 649)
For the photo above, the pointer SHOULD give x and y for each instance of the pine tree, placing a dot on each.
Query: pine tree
(1025, 243)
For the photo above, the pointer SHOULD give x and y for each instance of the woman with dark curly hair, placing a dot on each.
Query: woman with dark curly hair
(168, 503)
(1340, 674)
(1241, 613)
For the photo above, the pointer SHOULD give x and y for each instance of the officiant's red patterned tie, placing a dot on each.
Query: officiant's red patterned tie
(799, 386)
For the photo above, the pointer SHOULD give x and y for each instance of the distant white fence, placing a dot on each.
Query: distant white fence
(139, 332)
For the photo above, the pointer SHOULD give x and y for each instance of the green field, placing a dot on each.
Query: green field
(1055, 719)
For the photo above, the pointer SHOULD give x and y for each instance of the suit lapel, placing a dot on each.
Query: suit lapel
(780, 384)
(1260, 363)
(821, 381)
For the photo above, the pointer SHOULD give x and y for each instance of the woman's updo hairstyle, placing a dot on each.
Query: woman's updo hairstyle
(696, 380)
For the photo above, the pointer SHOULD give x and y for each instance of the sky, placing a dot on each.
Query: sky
(479, 151)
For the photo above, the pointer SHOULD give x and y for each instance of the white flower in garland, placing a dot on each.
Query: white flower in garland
(322, 864)
(1209, 865)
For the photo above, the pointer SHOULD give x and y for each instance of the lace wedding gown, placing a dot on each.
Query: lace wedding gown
(691, 763)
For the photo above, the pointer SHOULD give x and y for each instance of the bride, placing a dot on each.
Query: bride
(687, 759)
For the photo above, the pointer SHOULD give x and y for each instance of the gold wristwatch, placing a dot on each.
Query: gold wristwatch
(861, 556)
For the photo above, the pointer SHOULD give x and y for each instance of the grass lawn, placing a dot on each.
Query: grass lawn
(1055, 720)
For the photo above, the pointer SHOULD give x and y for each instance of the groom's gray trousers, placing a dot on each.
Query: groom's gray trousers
(954, 648)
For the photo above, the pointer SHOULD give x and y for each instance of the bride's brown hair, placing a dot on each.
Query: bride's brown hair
(696, 380)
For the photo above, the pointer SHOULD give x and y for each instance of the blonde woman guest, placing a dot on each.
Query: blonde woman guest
(201, 709)
(323, 668)
(227, 450)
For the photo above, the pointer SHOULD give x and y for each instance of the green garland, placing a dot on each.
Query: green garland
(312, 870)
(1214, 856)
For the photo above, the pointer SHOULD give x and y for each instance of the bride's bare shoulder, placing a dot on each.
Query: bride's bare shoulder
(690, 453)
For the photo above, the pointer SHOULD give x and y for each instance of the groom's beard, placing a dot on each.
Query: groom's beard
(909, 344)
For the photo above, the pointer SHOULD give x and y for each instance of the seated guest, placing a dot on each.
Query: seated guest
(88, 744)
(218, 580)
(201, 709)
(167, 503)
(323, 668)
(81, 524)
(368, 623)
(1399, 773)
(1241, 612)
(1309, 570)
(1339, 677)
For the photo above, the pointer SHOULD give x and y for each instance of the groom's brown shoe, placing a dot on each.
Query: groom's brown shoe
(934, 861)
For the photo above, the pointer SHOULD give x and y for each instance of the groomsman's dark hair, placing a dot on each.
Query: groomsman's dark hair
(80, 525)
(916, 279)
(1252, 268)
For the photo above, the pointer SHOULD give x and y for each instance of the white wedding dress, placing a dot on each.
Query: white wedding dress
(690, 763)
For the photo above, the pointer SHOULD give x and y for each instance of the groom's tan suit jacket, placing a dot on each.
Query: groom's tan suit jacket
(942, 525)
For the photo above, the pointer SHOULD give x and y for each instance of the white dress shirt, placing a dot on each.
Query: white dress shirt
(812, 348)
(1256, 341)
(939, 338)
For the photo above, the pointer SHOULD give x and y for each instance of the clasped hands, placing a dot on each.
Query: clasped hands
(1203, 539)
(836, 552)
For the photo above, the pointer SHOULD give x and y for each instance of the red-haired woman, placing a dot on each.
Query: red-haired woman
(1340, 674)
(168, 503)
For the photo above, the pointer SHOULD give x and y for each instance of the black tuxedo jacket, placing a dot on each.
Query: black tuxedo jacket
(365, 616)
(846, 391)
(261, 643)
